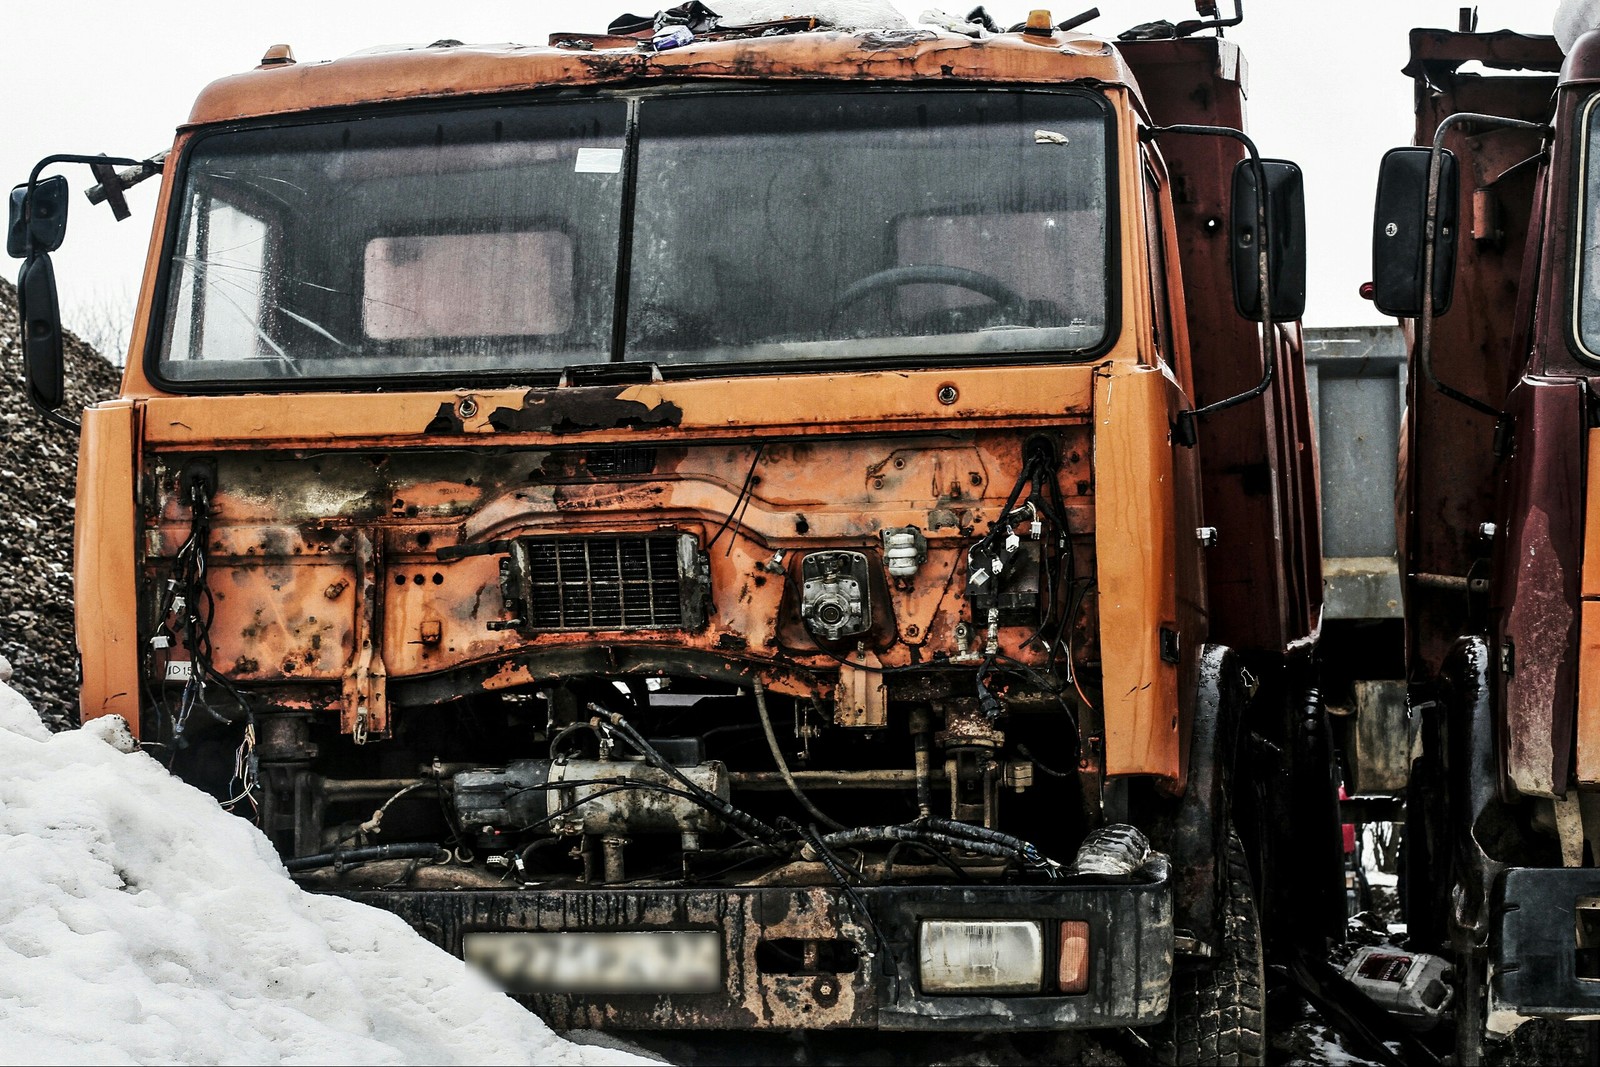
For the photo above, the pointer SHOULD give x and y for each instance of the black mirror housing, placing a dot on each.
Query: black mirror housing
(41, 333)
(46, 223)
(1399, 233)
(1286, 224)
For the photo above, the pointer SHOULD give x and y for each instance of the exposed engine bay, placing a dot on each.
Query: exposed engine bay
(423, 670)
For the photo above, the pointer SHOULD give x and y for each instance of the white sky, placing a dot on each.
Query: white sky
(96, 76)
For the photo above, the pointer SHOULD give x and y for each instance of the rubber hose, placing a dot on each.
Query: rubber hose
(409, 850)
(783, 765)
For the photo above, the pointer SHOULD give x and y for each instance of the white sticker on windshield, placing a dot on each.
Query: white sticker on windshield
(1049, 137)
(598, 161)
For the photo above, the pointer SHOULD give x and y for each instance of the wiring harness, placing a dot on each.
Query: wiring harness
(184, 621)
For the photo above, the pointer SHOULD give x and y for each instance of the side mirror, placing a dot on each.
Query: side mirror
(1286, 223)
(41, 333)
(46, 222)
(1399, 232)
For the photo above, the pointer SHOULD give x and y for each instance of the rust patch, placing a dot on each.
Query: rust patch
(509, 676)
(610, 66)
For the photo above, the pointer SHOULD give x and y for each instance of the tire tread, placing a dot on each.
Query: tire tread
(1217, 1013)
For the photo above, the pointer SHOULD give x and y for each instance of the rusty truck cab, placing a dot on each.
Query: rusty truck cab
(720, 502)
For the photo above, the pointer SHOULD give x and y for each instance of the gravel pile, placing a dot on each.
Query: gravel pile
(38, 471)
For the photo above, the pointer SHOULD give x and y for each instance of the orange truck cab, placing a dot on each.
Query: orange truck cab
(736, 527)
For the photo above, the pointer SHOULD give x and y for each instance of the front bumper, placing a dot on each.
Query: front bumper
(1130, 965)
(1544, 945)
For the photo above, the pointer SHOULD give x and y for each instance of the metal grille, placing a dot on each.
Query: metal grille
(604, 583)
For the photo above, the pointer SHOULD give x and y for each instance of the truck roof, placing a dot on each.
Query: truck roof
(449, 69)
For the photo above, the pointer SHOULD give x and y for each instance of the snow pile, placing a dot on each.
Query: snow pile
(140, 923)
(1574, 18)
(840, 14)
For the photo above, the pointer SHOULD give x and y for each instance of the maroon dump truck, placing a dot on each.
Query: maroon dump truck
(1499, 516)
(715, 523)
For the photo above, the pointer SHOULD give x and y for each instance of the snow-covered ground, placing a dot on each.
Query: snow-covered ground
(139, 923)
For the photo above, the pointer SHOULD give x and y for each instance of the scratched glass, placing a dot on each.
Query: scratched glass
(845, 226)
(767, 228)
(472, 241)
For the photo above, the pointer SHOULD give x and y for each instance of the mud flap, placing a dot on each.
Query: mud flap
(1194, 832)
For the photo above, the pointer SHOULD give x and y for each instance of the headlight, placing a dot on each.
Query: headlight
(982, 957)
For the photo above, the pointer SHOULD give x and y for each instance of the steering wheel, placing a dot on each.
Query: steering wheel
(931, 274)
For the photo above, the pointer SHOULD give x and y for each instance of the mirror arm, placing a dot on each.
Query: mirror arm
(151, 166)
(53, 417)
(1430, 237)
(1183, 430)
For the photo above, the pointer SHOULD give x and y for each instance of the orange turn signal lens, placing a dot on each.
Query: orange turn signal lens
(1074, 971)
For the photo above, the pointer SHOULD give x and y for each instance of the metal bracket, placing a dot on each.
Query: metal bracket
(861, 698)
(365, 712)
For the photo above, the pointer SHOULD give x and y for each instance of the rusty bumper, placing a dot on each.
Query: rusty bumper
(802, 957)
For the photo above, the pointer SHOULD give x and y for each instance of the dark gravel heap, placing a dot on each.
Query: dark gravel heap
(38, 472)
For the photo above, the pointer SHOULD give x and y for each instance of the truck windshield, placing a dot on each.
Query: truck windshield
(815, 227)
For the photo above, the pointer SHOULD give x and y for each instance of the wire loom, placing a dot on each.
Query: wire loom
(184, 620)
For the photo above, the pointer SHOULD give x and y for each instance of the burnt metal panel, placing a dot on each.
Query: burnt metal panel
(1130, 967)
(1542, 948)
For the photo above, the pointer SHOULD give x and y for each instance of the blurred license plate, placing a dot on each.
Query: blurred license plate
(644, 961)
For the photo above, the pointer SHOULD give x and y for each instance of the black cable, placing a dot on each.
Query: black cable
(525, 857)
(831, 862)
(888, 861)
(574, 806)
(783, 764)
(980, 839)
(568, 731)
(1022, 750)
(620, 781)
(749, 480)
(875, 835)
(1024, 849)
(747, 854)
(738, 819)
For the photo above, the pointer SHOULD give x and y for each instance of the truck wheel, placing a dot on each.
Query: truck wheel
(1218, 1009)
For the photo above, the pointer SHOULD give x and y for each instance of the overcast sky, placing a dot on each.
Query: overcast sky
(96, 76)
